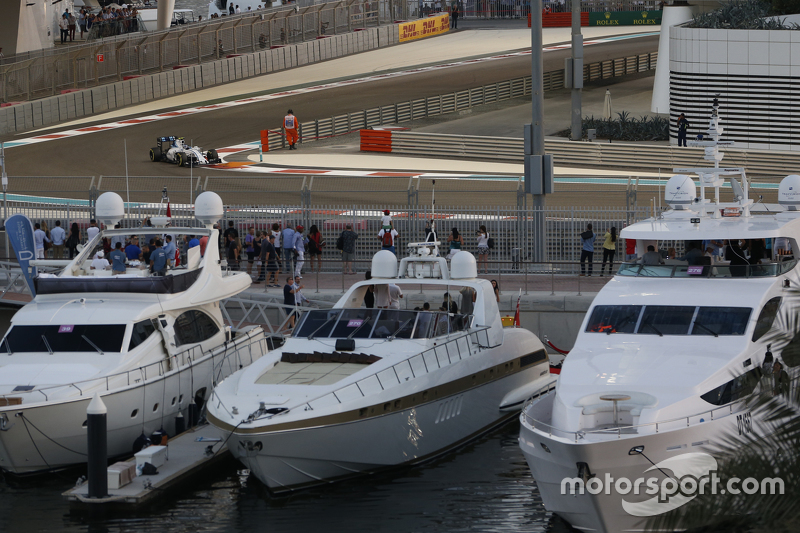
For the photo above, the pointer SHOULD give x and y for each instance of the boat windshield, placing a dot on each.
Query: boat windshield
(717, 270)
(669, 320)
(380, 324)
(64, 338)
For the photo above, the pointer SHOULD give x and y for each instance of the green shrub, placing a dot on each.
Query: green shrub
(748, 15)
(625, 128)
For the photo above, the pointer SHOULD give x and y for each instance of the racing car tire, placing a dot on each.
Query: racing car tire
(155, 154)
(179, 159)
(212, 156)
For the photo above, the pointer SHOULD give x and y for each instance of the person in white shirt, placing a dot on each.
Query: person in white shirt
(381, 296)
(92, 230)
(238, 11)
(99, 262)
(39, 238)
(58, 234)
(394, 296)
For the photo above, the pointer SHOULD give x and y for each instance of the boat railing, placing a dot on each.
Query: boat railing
(717, 270)
(460, 347)
(464, 345)
(237, 353)
(618, 431)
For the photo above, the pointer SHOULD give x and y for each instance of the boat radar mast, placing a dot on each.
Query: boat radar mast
(712, 176)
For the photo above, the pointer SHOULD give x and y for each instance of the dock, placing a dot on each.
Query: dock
(187, 454)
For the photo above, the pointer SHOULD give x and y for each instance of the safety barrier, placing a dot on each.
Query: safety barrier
(222, 68)
(615, 155)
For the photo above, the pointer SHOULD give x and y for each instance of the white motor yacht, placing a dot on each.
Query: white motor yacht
(358, 390)
(149, 344)
(668, 352)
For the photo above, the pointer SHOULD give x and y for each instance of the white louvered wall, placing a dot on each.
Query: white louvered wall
(755, 72)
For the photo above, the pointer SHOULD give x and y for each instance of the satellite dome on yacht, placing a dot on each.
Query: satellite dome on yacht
(789, 192)
(384, 265)
(109, 208)
(208, 208)
(463, 266)
(680, 191)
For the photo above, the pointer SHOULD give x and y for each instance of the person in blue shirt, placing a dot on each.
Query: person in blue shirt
(158, 260)
(117, 257)
(587, 249)
(132, 251)
(193, 242)
(169, 250)
(287, 238)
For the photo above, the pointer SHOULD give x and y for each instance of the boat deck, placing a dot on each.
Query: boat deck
(308, 373)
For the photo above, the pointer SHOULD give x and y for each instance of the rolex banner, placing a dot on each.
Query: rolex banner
(625, 18)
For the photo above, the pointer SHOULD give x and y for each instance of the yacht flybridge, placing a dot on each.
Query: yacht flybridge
(149, 344)
(660, 367)
(357, 390)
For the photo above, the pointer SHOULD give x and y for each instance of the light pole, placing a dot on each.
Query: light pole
(538, 166)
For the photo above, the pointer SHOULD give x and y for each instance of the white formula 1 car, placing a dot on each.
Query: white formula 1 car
(175, 150)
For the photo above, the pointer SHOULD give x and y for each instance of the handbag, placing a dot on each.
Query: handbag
(490, 242)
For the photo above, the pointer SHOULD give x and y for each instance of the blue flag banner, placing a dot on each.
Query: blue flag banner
(19, 230)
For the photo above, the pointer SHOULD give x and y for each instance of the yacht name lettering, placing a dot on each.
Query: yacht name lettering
(744, 422)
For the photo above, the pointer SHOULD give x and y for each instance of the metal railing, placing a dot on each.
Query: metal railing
(239, 313)
(174, 364)
(664, 425)
(463, 346)
(45, 73)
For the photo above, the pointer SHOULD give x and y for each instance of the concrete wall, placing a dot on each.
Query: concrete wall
(755, 72)
(48, 111)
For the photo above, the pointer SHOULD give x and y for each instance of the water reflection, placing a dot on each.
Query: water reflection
(485, 487)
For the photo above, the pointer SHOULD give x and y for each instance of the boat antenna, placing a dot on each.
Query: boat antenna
(127, 183)
(433, 209)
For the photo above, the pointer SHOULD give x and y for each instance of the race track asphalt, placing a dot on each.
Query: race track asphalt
(101, 153)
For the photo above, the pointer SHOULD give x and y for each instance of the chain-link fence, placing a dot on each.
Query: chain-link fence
(48, 72)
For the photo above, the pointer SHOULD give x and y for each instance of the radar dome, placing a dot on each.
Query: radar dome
(384, 265)
(789, 192)
(463, 266)
(680, 192)
(208, 208)
(109, 208)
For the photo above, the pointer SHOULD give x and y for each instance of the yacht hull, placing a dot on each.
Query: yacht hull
(294, 459)
(553, 459)
(51, 435)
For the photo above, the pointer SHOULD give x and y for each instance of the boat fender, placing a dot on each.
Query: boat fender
(141, 443)
(180, 424)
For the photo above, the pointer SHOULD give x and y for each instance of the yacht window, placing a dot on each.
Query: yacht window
(736, 389)
(319, 323)
(392, 322)
(194, 326)
(666, 320)
(614, 318)
(766, 318)
(791, 352)
(64, 338)
(141, 331)
(356, 322)
(721, 321)
(425, 323)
